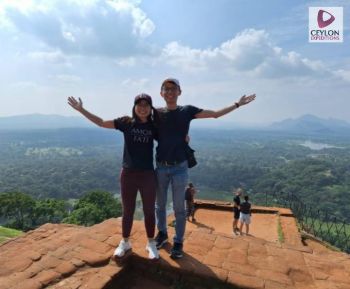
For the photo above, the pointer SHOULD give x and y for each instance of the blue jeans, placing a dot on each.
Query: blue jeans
(177, 176)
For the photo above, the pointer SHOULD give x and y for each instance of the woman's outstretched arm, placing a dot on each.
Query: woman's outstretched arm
(78, 105)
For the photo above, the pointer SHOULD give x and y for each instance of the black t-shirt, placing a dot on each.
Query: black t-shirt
(172, 128)
(237, 199)
(245, 208)
(138, 143)
(189, 194)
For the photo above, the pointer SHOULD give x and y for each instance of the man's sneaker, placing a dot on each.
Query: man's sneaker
(152, 250)
(161, 239)
(122, 248)
(176, 251)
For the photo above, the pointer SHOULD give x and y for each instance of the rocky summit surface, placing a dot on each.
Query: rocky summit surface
(61, 256)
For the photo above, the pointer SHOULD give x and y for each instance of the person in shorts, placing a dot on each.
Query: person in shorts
(245, 215)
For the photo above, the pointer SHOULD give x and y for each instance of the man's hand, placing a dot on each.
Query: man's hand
(77, 105)
(218, 113)
(246, 99)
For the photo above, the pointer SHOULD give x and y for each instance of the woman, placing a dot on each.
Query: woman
(137, 173)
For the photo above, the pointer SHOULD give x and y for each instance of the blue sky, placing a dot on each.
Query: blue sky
(106, 52)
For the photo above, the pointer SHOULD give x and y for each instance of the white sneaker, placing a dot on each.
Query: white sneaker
(122, 248)
(152, 250)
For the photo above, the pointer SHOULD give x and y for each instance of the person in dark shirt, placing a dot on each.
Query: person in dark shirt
(245, 215)
(173, 123)
(137, 173)
(236, 210)
(189, 198)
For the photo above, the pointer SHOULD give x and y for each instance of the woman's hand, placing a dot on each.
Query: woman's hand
(77, 105)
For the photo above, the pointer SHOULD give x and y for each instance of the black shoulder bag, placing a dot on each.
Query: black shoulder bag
(191, 159)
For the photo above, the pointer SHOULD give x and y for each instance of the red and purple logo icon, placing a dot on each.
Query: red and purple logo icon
(324, 23)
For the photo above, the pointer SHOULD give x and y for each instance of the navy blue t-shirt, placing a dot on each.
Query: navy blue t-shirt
(237, 199)
(138, 143)
(246, 207)
(172, 129)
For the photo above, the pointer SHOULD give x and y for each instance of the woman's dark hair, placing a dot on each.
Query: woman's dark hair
(150, 118)
(135, 118)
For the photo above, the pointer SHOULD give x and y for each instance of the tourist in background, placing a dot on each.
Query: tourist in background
(236, 209)
(189, 198)
(245, 215)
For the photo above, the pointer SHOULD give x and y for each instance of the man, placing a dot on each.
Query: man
(236, 210)
(173, 124)
(189, 198)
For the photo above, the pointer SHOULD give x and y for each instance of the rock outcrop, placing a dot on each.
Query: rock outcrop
(61, 256)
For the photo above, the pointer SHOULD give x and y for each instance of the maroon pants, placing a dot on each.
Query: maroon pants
(132, 181)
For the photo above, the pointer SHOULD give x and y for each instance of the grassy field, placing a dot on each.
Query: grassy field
(6, 233)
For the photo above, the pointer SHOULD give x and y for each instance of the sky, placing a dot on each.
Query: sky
(106, 52)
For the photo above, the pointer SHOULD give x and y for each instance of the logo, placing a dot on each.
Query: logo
(325, 24)
(321, 22)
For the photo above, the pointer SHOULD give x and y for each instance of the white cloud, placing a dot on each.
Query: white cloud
(25, 85)
(68, 78)
(137, 83)
(142, 25)
(126, 62)
(95, 27)
(344, 74)
(28, 87)
(250, 51)
(184, 57)
(97, 50)
(49, 56)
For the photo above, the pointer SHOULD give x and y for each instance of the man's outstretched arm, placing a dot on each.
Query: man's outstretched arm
(217, 113)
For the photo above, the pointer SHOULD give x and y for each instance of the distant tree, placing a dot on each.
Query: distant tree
(88, 215)
(48, 211)
(93, 208)
(17, 207)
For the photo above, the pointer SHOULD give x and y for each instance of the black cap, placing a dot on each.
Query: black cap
(143, 96)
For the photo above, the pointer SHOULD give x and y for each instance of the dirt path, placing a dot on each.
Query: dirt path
(290, 231)
(263, 225)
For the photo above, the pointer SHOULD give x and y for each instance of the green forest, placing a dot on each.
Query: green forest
(65, 164)
(24, 212)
